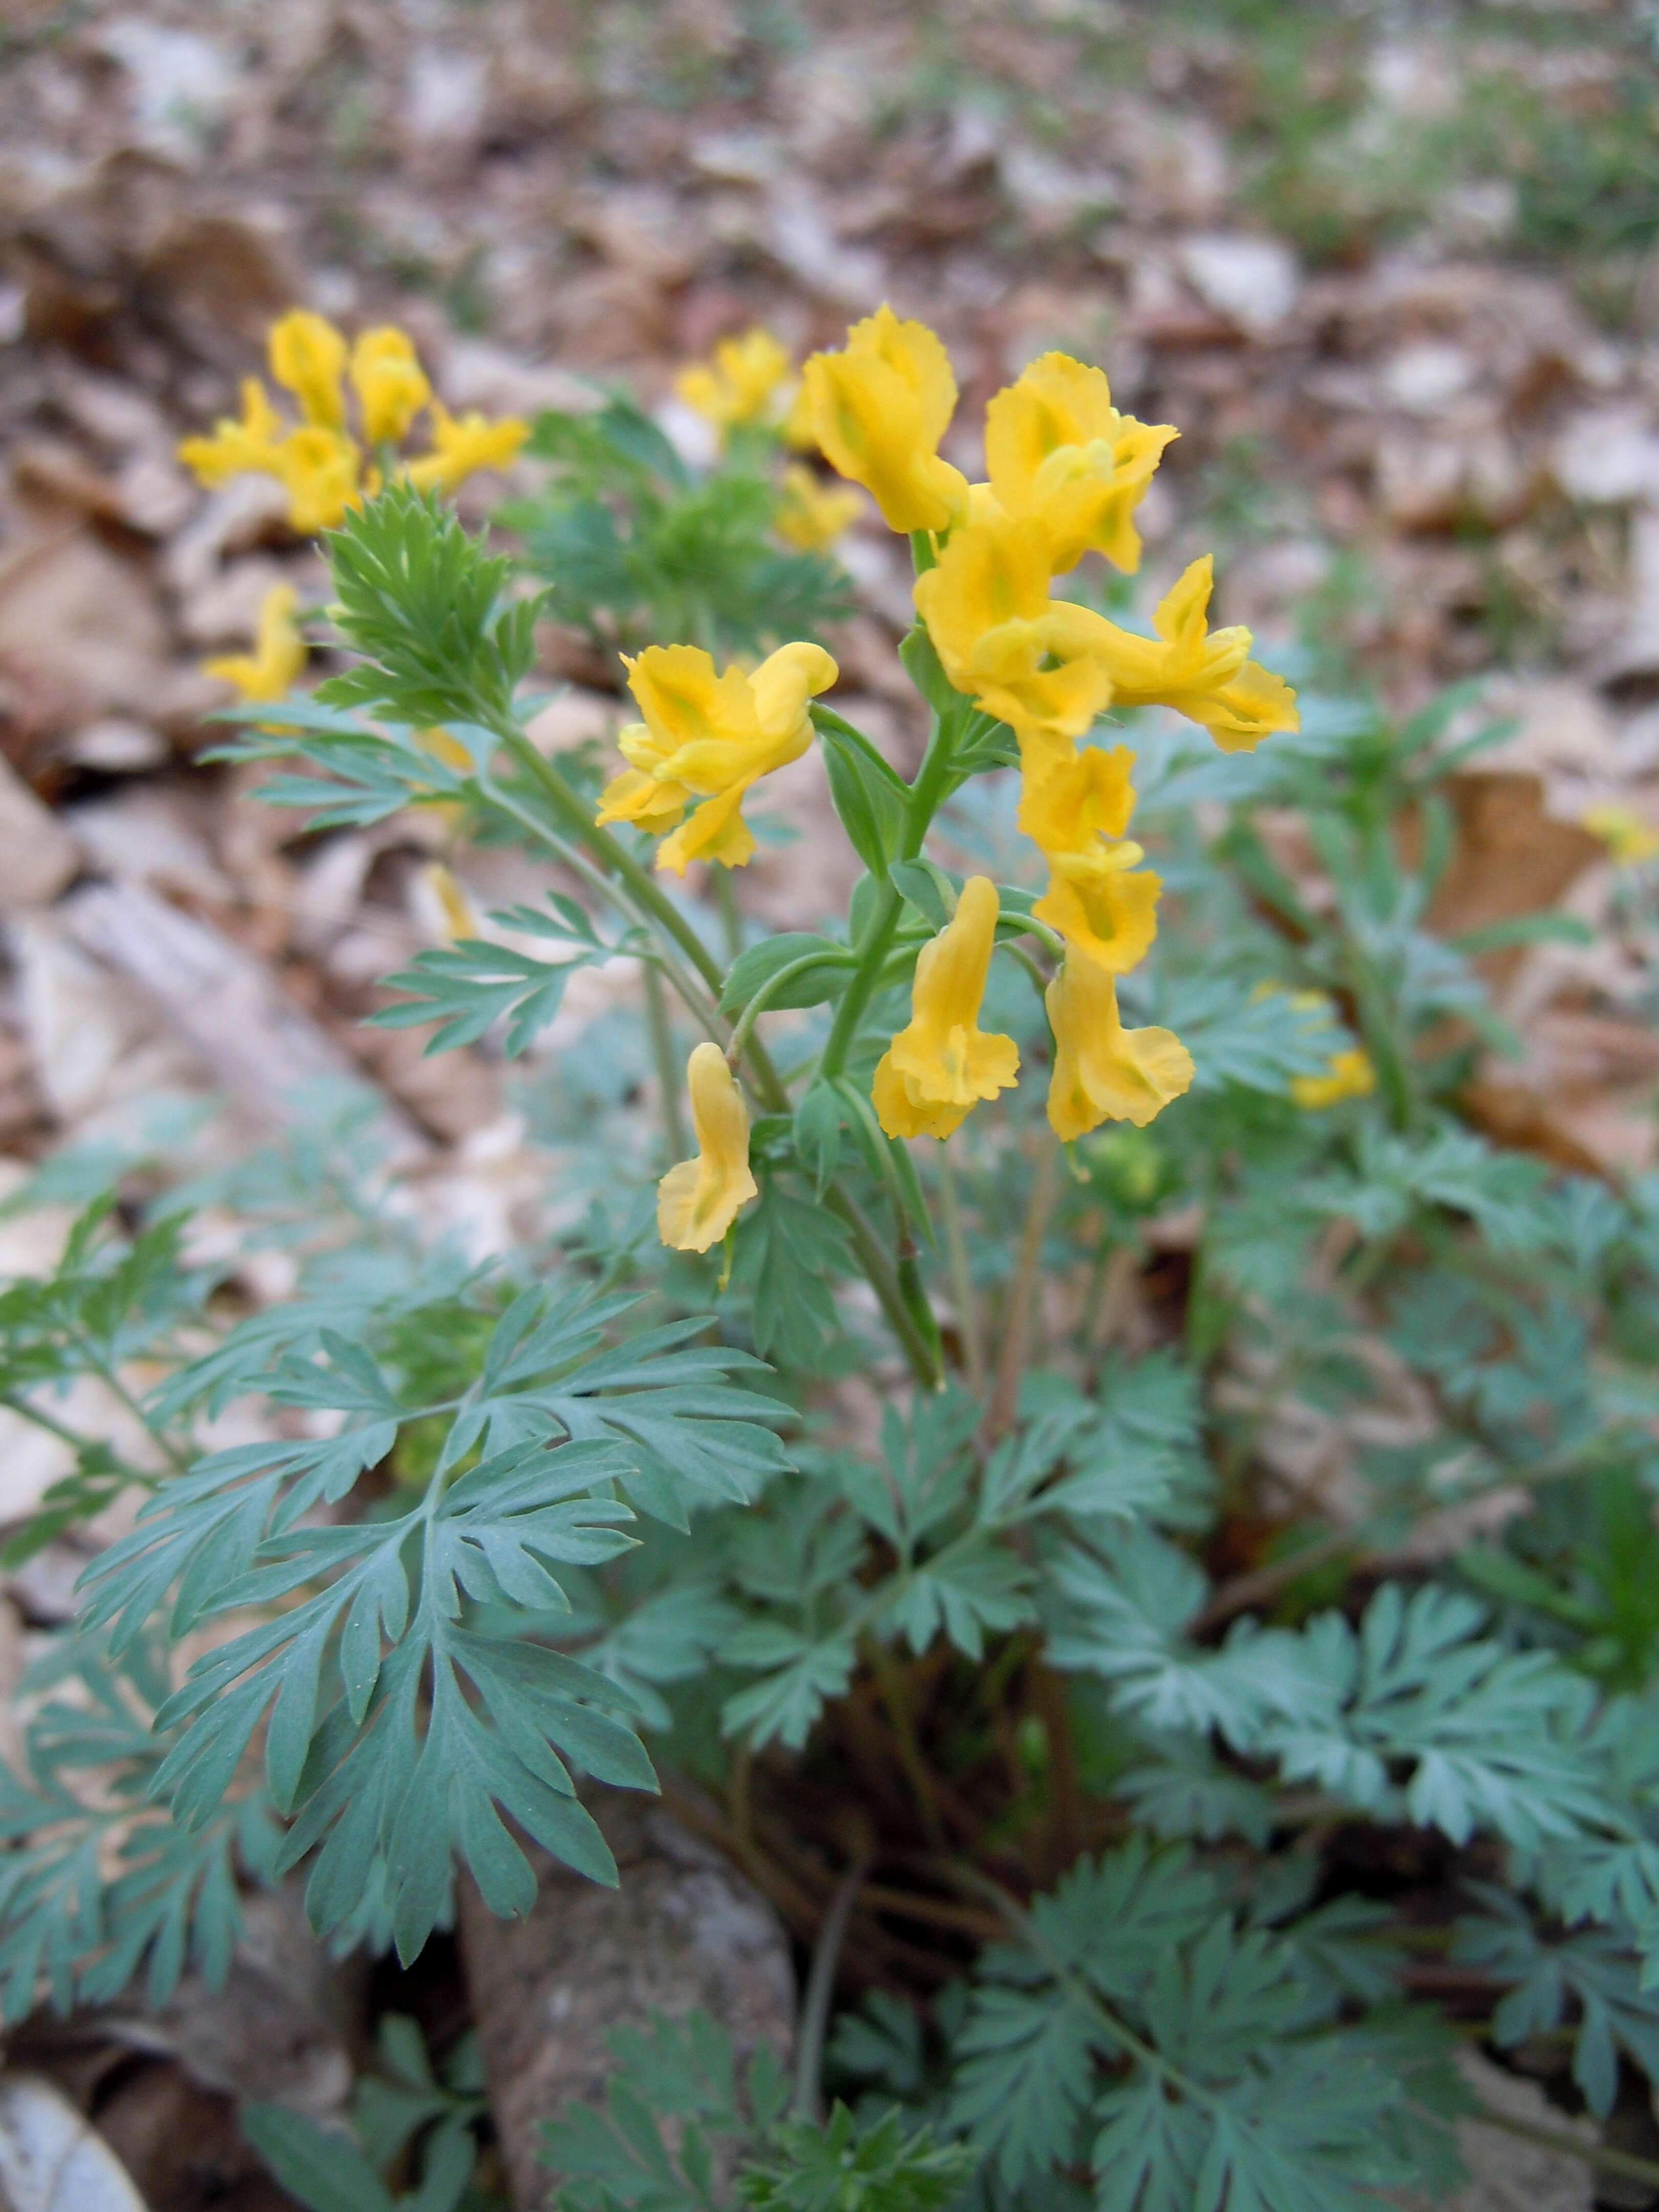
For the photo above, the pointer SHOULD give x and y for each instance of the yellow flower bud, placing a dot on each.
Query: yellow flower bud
(812, 515)
(1202, 673)
(390, 386)
(460, 448)
(1102, 1071)
(938, 1068)
(244, 446)
(878, 410)
(1059, 452)
(709, 737)
(739, 384)
(698, 1200)
(308, 358)
(279, 652)
(319, 469)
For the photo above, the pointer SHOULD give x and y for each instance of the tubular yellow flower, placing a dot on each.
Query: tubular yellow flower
(812, 515)
(391, 385)
(698, 1200)
(878, 410)
(1348, 1074)
(938, 1068)
(1068, 799)
(1058, 451)
(460, 448)
(1628, 838)
(709, 737)
(1103, 904)
(279, 652)
(1031, 661)
(308, 358)
(1202, 673)
(1102, 1071)
(319, 468)
(239, 447)
(740, 383)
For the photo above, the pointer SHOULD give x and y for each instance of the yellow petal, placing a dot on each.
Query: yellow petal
(1102, 909)
(1057, 452)
(319, 469)
(698, 1200)
(715, 831)
(1628, 838)
(390, 386)
(1070, 799)
(280, 653)
(1348, 1074)
(308, 358)
(878, 410)
(1202, 673)
(812, 515)
(1102, 1071)
(941, 1064)
(242, 445)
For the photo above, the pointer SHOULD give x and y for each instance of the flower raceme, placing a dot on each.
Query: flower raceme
(938, 1068)
(709, 737)
(321, 466)
(698, 1200)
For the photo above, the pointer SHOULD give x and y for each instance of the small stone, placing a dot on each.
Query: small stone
(1252, 281)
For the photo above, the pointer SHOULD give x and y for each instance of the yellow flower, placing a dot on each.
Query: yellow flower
(739, 386)
(1103, 904)
(1102, 1071)
(308, 358)
(709, 737)
(445, 746)
(878, 410)
(460, 448)
(279, 652)
(1348, 1074)
(1056, 449)
(390, 384)
(319, 468)
(1031, 661)
(238, 447)
(698, 1200)
(935, 1071)
(811, 513)
(1628, 838)
(1202, 673)
(1069, 798)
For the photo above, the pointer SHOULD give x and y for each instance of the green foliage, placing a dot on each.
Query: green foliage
(636, 550)
(681, 2072)
(407, 2106)
(1140, 2032)
(429, 612)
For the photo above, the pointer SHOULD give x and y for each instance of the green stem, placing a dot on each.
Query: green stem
(768, 991)
(962, 1280)
(884, 1282)
(925, 795)
(890, 1680)
(25, 1412)
(567, 805)
(668, 1073)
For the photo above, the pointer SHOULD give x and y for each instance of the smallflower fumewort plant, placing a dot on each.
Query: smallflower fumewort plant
(992, 1419)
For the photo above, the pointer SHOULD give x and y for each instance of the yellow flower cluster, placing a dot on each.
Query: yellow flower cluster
(749, 383)
(323, 468)
(709, 737)
(1065, 471)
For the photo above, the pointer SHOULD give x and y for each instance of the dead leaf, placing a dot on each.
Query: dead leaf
(37, 857)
